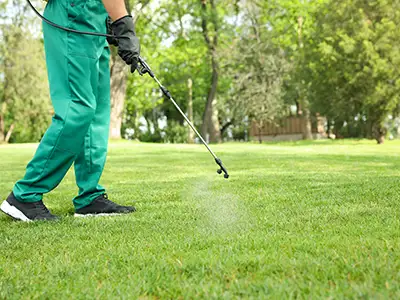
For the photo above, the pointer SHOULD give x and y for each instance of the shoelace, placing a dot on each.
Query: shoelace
(105, 199)
(39, 206)
(108, 202)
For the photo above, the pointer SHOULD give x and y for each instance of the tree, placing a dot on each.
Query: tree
(293, 25)
(258, 68)
(24, 97)
(210, 29)
(356, 61)
(259, 85)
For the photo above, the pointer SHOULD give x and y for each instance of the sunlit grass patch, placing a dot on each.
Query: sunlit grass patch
(313, 220)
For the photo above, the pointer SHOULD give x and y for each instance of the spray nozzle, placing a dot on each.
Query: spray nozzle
(222, 168)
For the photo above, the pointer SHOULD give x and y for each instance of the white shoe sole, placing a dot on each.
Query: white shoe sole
(96, 215)
(13, 212)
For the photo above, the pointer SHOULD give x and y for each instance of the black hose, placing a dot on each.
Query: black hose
(65, 28)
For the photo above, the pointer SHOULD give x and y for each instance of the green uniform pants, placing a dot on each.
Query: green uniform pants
(79, 77)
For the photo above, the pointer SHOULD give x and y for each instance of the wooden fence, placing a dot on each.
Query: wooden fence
(288, 126)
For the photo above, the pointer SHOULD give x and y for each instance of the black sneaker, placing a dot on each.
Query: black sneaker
(101, 206)
(27, 212)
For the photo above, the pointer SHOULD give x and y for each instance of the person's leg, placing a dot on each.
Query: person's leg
(90, 162)
(73, 74)
(92, 199)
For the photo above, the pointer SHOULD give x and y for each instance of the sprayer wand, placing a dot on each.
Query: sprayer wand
(144, 68)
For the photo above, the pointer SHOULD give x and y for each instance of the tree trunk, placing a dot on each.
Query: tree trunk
(136, 126)
(307, 127)
(303, 102)
(260, 127)
(190, 111)
(380, 139)
(119, 79)
(10, 131)
(2, 131)
(214, 127)
(337, 127)
(118, 91)
(380, 133)
(210, 117)
(210, 124)
(398, 132)
(328, 130)
(2, 121)
(299, 112)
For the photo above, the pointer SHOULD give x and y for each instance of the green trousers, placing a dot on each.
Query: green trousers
(79, 78)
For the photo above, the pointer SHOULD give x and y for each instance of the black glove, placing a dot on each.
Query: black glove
(111, 40)
(128, 43)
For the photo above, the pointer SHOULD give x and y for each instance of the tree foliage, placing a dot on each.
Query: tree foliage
(258, 69)
(25, 109)
(355, 63)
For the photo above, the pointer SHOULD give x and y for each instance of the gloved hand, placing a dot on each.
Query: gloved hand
(111, 40)
(128, 43)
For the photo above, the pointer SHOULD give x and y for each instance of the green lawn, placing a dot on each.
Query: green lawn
(295, 220)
